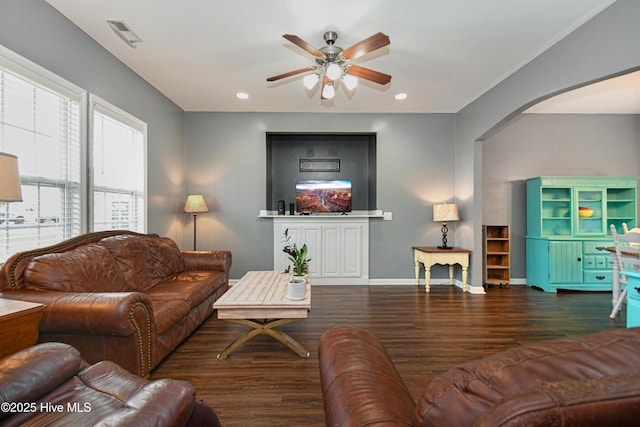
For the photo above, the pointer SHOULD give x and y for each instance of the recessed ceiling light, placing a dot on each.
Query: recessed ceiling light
(401, 96)
(242, 95)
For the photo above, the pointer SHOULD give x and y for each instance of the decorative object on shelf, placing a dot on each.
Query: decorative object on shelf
(443, 213)
(333, 64)
(585, 212)
(10, 189)
(195, 204)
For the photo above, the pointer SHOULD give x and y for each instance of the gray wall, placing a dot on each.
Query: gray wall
(606, 45)
(226, 154)
(551, 144)
(422, 159)
(36, 31)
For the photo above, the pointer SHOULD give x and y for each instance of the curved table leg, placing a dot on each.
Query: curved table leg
(267, 327)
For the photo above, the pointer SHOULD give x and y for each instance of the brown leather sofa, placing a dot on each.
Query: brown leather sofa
(589, 381)
(117, 295)
(50, 384)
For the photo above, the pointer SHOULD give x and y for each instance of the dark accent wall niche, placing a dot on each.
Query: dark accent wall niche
(356, 152)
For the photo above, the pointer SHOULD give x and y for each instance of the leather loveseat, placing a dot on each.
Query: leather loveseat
(589, 381)
(49, 384)
(117, 295)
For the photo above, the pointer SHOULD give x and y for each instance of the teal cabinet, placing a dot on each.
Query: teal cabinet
(633, 299)
(568, 221)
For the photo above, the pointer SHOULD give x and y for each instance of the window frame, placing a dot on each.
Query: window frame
(88, 104)
(28, 70)
(97, 104)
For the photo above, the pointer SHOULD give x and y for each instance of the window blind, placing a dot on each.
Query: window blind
(119, 169)
(40, 122)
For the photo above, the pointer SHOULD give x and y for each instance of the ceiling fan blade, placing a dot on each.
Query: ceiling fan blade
(303, 44)
(290, 73)
(368, 74)
(367, 45)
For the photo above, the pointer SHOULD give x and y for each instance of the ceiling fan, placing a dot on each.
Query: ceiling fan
(334, 63)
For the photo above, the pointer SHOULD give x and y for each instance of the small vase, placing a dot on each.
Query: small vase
(297, 288)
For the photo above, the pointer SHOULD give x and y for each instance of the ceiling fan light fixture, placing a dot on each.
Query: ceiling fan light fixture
(310, 80)
(350, 82)
(333, 71)
(333, 63)
(329, 91)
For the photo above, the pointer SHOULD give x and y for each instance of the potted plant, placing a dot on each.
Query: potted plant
(300, 263)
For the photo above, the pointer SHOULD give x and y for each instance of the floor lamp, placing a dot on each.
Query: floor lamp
(443, 213)
(10, 189)
(195, 204)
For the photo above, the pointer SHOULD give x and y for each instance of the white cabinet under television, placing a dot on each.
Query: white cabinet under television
(337, 245)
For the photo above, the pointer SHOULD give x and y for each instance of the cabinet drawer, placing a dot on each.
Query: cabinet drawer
(597, 276)
(633, 293)
(591, 247)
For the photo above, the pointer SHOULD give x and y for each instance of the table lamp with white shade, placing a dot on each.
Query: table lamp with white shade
(10, 189)
(443, 213)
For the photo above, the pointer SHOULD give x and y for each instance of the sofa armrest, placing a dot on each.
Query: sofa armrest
(610, 400)
(94, 313)
(360, 385)
(164, 402)
(207, 260)
(31, 373)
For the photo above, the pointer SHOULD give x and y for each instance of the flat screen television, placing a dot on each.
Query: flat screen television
(323, 196)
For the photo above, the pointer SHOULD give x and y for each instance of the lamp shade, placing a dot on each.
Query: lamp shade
(195, 204)
(445, 212)
(10, 189)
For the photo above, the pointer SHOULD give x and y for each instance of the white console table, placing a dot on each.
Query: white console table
(338, 245)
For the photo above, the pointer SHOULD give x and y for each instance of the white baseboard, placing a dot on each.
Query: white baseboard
(395, 282)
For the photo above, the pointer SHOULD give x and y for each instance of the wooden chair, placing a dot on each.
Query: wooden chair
(627, 257)
(633, 230)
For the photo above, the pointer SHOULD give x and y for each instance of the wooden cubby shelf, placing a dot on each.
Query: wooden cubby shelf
(497, 248)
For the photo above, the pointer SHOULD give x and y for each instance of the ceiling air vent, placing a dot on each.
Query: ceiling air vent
(124, 32)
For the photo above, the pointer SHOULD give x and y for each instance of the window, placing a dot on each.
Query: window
(118, 159)
(40, 122)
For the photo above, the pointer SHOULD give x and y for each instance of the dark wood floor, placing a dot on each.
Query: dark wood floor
(265, 384)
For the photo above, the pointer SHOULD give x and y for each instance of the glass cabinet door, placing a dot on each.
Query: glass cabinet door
(590, 212)
(556, 211)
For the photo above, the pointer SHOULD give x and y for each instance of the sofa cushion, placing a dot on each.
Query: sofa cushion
(88, 268)
(168, 312)
(190, 286)
(472, 388)
(144, 261)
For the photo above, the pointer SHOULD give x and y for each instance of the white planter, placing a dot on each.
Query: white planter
(297, 288)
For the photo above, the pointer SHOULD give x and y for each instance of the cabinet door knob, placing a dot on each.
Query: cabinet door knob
(579, 259)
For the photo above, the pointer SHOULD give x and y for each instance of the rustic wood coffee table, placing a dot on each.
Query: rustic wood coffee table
(263, 295)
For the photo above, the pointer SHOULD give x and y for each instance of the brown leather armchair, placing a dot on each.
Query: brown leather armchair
(589, 381)
(50, 384)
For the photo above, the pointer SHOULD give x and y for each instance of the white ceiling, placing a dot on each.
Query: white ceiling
(443, 53)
